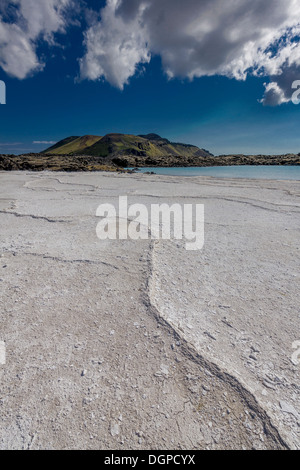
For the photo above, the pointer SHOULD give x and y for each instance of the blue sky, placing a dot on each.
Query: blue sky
(74, 90)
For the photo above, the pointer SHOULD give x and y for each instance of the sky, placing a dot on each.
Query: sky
(219, 75)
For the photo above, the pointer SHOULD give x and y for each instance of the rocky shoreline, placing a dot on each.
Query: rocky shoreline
(41, 162)
(208, 161)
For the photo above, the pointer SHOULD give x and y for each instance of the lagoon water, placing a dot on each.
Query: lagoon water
(274, 172)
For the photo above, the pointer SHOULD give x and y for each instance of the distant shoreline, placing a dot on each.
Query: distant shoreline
(260, 172)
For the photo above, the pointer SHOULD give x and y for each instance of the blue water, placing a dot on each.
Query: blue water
(272, 172)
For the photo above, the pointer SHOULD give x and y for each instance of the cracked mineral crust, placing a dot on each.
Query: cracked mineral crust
(124, 344)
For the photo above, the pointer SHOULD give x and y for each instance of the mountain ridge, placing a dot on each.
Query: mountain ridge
(134, 148)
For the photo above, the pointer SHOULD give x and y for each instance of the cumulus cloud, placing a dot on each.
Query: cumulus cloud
(22, 24)
(274, 95)
(115, 46)
(196, 38)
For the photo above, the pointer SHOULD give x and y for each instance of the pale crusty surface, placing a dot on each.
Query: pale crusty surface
(142, 344)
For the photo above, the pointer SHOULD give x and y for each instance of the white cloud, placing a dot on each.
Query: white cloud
(39, 142)
(274, 95)
(115, 46)
(32, 21)
(195, 38)
(5, 144)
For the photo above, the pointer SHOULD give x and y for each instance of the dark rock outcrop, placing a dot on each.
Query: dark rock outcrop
(40, 162)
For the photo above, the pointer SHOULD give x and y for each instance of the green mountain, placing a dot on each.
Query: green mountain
(122, 145)
(72, 145)
(60, 144)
